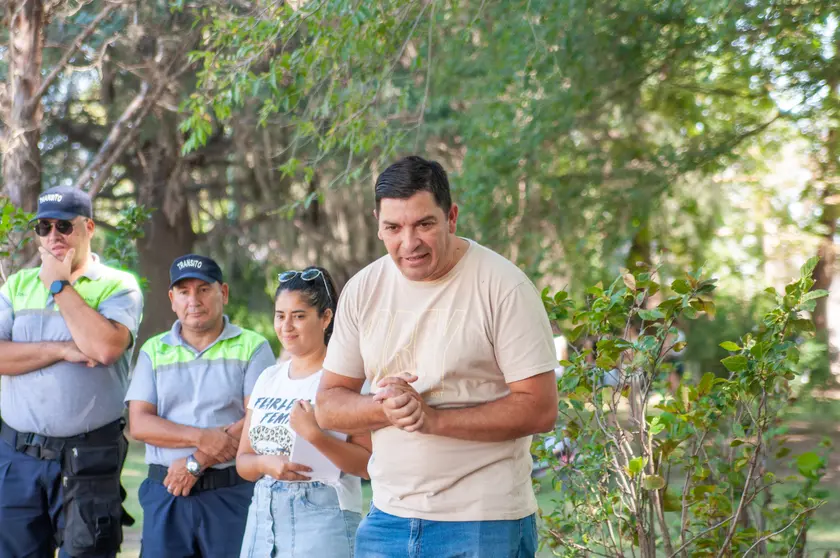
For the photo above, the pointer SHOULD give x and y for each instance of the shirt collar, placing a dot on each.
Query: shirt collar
(229, 331)
(94, 268)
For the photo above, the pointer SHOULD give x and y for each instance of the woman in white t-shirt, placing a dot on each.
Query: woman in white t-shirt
(299, 510)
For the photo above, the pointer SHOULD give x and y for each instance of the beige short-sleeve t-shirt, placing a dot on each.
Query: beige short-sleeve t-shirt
(466, 336)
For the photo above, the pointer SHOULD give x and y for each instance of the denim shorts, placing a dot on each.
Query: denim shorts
(298, 519)
(382, 535)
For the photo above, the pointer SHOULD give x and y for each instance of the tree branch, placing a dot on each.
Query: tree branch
(118, 140)
(700, 534)
(62, 64)
(783, 529)
(753, 463)
(114, 137)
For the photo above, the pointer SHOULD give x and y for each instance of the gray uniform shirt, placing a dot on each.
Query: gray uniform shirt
(204, 389)
(66, 399)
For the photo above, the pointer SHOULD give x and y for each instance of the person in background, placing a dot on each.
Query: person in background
(187, 402)
(67, 332)
(293, 514)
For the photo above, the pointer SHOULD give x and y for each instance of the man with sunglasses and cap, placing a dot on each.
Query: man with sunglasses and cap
(67, 331)
(187, 400)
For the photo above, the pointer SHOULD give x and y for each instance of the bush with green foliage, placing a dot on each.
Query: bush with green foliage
(652, 473)
(14, 224)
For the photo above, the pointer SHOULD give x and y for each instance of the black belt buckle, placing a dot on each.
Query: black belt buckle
(40, 452)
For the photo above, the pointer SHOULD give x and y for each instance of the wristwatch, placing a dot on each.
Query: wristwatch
(193, 466)
(57, 286)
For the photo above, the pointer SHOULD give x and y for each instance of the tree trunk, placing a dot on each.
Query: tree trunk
(827, 252)
(169, 233)
(640, 249)
(825, 267)
(19, 145)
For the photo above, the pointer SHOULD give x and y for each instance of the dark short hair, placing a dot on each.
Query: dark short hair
(316, 293)
(410, 175)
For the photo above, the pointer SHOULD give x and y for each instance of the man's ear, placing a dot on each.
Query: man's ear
(225, 292)
(378, 232)
(452, 218)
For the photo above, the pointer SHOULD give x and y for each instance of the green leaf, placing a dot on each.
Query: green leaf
(735, 363)
(730, 346)
(706, 383)
(635, 466)
(701, 490)
(808, 462)
(735, 443)
(672, 502)
(606, 360)
(656, 426)
(817, 293)
(808, 267)
(653, 482)
(651, 315)
(803, 325)
(681, 286)
(597, 290)
(575, 333)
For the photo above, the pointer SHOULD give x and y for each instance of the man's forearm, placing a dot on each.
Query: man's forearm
(93, 333)
(23, 358)
(163, 433)
(514, 416)
(347, 411)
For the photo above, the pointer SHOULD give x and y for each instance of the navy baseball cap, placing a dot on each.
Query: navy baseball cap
(193, 266)
(64, 202)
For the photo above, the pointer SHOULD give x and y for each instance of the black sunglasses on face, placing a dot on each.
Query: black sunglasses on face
(308, 275)
(43, 228)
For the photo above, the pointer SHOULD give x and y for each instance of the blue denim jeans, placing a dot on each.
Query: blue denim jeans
(383, 535)
(296, 520)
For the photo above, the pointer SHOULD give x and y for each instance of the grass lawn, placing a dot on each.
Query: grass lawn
(809, 421)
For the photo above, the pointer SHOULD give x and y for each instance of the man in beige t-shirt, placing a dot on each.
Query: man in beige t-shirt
(458, 350)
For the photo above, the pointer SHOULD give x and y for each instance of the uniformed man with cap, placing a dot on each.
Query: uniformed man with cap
(187, 401)
(67, 332)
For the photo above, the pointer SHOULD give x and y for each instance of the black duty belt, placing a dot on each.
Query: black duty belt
(211, 479)
(51, 447)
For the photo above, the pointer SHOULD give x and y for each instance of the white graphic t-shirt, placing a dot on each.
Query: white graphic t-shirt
(271, 404)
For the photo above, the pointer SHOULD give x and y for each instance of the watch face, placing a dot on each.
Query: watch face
(56, 286)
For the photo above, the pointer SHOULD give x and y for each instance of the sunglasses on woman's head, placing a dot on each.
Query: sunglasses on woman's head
(43, 228)
(307, 275)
